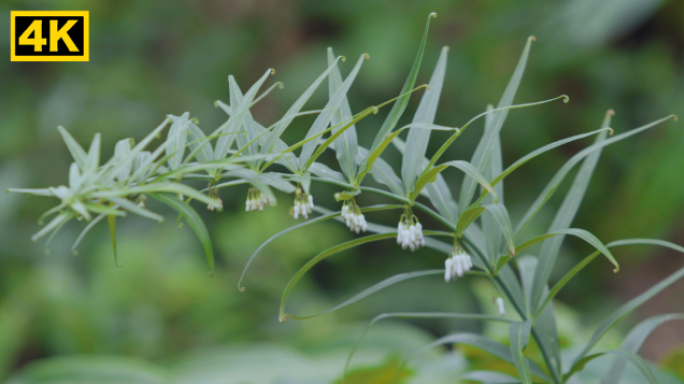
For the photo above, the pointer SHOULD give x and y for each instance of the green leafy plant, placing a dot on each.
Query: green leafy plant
(477, 235)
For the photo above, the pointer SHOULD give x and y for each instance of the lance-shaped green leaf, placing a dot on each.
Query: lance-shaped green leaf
(333, 113)
(371, 290)
(256, 133)
(560, 175)
(401, 103)
(493, 166)
(235, 121)
(382, 172)
(500, 214)
(85, 231)
(118, 165)
(626, 309)
(195, 222)
(633, 341)
(638, 362)
(564, 216)
(284, 122)
(466, 218)
(502, 175)
(466, 167)
(323, 171)
(321, 256)
(58, 221)
(134, 208)
(174, 188)
(570, 274)
(177, 138)
(490, 346)
(200, 147)
(580, 233)
(92, 160)
(492, 130)
(418, 139)
(346, 147)
(519, 333)
(75, 149)
(121, 151)
(418, 315)
(111, 220)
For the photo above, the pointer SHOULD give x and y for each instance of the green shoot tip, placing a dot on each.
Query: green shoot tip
(566, 98)
(195, 120)
(272, 71)
(433, 15)
(367, 56)
(532, 38)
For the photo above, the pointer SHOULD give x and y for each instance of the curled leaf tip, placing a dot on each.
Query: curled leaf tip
(375, 110)
(616, 270)
(446, 48)
(216, 104)
(343, 58)
(195, 120)
(282, 318)
(566, 98)
(433, 15)
(280, 85)
(367, 56)
(610, 131)
(241, 289)
(675, 118)
(610, 112)
(532, 38)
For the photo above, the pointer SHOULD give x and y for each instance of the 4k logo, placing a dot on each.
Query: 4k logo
(50, 35)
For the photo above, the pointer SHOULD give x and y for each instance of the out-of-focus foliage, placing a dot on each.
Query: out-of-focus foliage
(153, 58)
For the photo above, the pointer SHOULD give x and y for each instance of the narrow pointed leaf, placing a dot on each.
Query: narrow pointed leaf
(400, 105)
(519, 333)
(564, 217)
(492, 130)
(418, 139)
(75, 149)
(195, 222)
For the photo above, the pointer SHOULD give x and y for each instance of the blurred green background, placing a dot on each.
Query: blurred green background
(151, 58)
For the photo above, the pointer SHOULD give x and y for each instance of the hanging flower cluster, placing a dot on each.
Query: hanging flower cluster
(303, 204)
(355, 220)
(410, 232)
(457, 264)
(257, 201)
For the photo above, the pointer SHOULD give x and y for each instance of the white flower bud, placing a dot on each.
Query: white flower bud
(447, 269)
